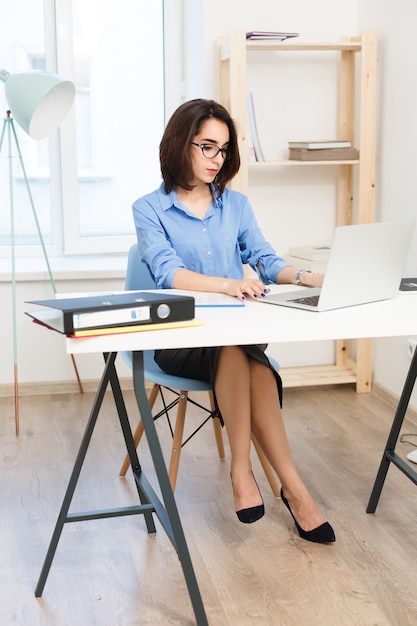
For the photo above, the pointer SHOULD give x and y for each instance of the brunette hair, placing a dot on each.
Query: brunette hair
(175, 146)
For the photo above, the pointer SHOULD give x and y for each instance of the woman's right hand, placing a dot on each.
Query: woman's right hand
(246, 287)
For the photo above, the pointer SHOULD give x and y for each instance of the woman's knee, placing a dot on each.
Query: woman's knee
(232, 354)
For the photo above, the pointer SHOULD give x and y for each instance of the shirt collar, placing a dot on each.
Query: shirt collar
(170, 199)
(167, 200)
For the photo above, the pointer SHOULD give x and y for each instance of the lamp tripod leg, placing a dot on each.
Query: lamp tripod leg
(11, 127)
(51, 278)
(6, 126)
(80, 384)
(16, 400)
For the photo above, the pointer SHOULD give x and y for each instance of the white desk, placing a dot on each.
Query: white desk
(255, 323)
(260, 323)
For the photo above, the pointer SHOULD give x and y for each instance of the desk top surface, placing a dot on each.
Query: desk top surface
(262, 323)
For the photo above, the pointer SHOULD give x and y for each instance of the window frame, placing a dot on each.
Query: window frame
(65, 216)
(72, 242)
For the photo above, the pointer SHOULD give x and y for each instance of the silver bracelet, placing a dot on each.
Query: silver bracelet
(299, 274)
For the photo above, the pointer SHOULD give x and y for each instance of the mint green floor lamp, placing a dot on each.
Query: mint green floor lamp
(39, 102)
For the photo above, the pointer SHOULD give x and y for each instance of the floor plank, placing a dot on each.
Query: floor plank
(111, 572)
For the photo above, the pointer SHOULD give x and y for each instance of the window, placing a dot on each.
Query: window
(84, 178)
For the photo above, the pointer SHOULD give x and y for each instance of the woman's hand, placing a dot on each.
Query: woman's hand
(311, 279)
(290, 275)
(249, 287)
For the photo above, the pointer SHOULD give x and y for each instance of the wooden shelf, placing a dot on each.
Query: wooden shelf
(292, 45)
(356, 122)
(266, 164)
(317, 375)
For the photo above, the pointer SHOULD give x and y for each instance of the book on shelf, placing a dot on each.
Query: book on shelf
(311, 253)
(306, 264)
(253, 131)
(326, 154)
(131, 308)
(251, 146)
(320, 144)
(268, 35)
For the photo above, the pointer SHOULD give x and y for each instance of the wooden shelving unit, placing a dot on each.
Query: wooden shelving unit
(356, 116)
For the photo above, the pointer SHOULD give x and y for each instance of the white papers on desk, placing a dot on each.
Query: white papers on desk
(204, 299)
(201, 298)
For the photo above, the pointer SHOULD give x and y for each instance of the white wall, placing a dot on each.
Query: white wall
(281, 212)
(310, 218)
(40, 352)
(314, 20)
(294, 98)
(396, 191)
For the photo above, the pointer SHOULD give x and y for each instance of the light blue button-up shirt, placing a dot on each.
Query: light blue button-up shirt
(171, 238)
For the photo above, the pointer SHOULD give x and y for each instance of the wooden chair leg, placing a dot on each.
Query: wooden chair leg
(266, 467)
(178, 435)
(178, 438)
(137, 435)
(217, 427)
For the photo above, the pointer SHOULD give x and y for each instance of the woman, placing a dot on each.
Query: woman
(195, 234)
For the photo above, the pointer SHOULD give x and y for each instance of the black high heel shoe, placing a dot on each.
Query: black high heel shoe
(322, 534)
(253, 513)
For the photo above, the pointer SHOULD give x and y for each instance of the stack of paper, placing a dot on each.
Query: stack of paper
(321, 144)
(312, 258)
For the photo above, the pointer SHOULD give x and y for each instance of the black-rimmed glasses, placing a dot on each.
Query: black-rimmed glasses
(210, 151)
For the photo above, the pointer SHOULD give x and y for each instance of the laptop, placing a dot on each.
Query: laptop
(366, 264)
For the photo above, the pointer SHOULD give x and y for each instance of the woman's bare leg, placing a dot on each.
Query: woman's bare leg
(247, 395)
(233, 394)
(268, 427)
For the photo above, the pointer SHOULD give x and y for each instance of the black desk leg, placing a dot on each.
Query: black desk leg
(62, 517)
(177, 537)
(389, 455)
(145, 498)
(150, 502)
(145, 508)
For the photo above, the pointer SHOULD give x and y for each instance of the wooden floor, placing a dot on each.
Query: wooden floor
(111, 573)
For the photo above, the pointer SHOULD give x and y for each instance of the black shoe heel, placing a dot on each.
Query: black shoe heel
(322, 534)
(251, 514)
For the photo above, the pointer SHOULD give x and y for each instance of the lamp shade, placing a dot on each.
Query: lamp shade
(38, 101)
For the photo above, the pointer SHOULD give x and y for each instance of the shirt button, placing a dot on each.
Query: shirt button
(209, 252)
(204, 230)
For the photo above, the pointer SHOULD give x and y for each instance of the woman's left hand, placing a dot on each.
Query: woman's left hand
(311, 279)
(291, 275)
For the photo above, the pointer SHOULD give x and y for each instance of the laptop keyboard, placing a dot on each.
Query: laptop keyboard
(309, 300)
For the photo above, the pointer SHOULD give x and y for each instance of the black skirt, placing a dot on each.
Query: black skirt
(201, 364)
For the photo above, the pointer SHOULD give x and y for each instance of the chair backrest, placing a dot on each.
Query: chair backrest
(138, 276)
